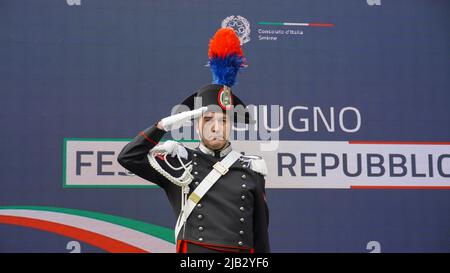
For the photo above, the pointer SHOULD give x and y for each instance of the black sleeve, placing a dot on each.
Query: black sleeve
(261, 218)
(133, 156)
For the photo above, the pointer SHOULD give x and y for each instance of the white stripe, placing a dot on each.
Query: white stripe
(127, 235)
(296, 24)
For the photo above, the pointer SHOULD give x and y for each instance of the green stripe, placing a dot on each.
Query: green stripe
(64, 172)
(160, 232)
(271, 23)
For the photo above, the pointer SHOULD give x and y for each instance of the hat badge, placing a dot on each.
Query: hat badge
(224, 98)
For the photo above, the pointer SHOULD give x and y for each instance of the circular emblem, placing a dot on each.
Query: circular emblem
(224, 98)
(240, 25)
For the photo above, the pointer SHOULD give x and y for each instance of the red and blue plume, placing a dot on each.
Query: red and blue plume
(225, 56)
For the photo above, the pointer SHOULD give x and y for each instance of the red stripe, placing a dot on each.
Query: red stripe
(106, 243)
(398, 142)
(185, 247)
(181, 246)
(147, 138)
(321, 25)
(220, 249)
(225, 248)
(403, 187)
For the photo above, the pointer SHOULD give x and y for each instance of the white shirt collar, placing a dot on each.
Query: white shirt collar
(221, 153)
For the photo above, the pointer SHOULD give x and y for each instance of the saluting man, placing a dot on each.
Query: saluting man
(217, 193)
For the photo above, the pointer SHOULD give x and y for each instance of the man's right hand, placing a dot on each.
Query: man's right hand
(176, 121)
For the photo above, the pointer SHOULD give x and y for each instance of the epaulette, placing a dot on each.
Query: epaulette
(255, 163)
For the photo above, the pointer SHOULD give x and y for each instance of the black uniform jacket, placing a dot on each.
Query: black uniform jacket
(233, 214)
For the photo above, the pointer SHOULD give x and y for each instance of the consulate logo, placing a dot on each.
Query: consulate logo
(240, 25)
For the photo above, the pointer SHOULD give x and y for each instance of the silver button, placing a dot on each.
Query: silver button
(196, 183)
(244, 186)
(200, 216)
(199, 205)
(195, 173)
(241, 208)
(200, 239)
(240, 243)
(243, 197)
(195, 155)
(244, 176)
(195, 163)
(200, 228)
(242, 220)
(241, 232)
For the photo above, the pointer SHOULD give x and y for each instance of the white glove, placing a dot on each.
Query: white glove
(173, 148)
(176, 121)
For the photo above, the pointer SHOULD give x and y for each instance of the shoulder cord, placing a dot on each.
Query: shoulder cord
(182, 181)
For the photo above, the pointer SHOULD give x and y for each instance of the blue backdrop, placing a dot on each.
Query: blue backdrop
(108, 69)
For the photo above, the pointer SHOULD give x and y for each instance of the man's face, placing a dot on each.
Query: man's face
(214, 129)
